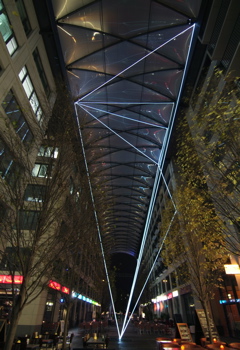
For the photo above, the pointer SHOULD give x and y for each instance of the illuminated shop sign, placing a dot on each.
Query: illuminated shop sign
(54, 285)
(8, 279)
(65, 290)
(164, 297)
(82, 297)
(57, 286)
(232, 269)
(230, 301)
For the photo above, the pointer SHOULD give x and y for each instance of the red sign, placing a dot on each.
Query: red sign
(65, 290)
(8, 279)
(54, 285)
(57, 286)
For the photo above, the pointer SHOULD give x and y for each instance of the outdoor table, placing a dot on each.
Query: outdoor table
(234, 345)
(167, 344)
(191, 346)
(46, 342)
(96, 342)
(217, 346)
(33, 346)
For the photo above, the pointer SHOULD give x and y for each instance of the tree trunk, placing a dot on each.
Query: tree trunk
(66, 321)
(205, 308)
(12, 327)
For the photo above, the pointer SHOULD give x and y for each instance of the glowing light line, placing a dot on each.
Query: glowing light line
(122, 138)
(68, 33)
(161, 161)
(123, 117)
(132, 65)
(97, 221)
(150, 271)
(151, 207)
(165, 145)
(128, 103)
(150, 210)
(159, 173)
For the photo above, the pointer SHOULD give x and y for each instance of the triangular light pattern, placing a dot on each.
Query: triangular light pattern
(126, 63)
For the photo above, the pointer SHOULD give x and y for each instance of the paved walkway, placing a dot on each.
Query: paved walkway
(131, 340)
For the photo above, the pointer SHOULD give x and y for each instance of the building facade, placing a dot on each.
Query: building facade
(213, 75)
(28, 96)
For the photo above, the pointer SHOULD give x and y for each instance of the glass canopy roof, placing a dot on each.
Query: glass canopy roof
(126, 61)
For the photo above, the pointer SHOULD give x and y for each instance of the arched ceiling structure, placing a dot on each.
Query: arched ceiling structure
(126, 61)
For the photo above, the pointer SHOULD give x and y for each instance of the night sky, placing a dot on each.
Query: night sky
(125, 267)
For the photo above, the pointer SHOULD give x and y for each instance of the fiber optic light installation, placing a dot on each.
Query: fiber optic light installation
(126, 80)
(85, 106)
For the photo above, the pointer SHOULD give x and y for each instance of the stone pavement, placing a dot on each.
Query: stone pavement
(131, 340)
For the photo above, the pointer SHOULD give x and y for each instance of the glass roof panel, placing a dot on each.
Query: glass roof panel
(87, 17)
(178, 48)
(163, 16)
(64, 7)
(159, 112)
(123, 19)
(129, 91)
(189, 7)
(77, 42)
(126, 61)
(166, 82)
(89, 81)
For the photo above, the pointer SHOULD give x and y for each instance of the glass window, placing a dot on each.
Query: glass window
(11, 257)
(9, 170)
(24, 17)
(35, 193)
(27, 85)
(18, 121)
(40, 170)
(5, 159)
(49, 152)
(28, 219)
(34, 102)
(5, 27)
(22, 73)
(6, 30)
(30, 92)
(41, 71)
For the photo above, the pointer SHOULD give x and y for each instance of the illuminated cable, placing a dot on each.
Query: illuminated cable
(151, 206)
(132, 65)
(122, 138)
(165, 146)
(97, 222)
(127, 103)
(161, 161)
(159, 173)
(153, 197)
(150, 271)
(122, 116)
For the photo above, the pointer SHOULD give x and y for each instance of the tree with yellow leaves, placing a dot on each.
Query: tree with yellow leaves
(215, 132)
(195, 243)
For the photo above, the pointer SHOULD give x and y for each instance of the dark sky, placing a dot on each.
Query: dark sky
(125, 267)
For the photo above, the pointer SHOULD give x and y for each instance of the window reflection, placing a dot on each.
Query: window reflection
(30, 92)
(17, 119)
(40, 170)
(6, 31)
